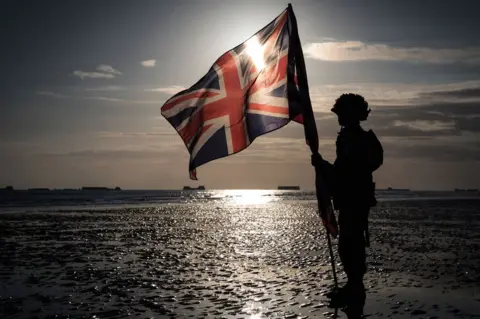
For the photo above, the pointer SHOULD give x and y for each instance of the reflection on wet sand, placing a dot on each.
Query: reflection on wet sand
(234, 258)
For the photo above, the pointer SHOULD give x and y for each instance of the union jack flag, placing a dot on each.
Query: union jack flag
(249, 91)
(255, 88)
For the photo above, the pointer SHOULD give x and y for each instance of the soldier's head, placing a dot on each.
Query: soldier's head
(351, 109)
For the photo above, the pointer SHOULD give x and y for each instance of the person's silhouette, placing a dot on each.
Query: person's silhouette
(350, 181)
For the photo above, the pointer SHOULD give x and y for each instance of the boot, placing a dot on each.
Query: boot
(336, 293)
(338, 297)
(351, 294)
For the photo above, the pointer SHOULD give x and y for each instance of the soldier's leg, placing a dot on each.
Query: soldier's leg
(345, 241)
(357, 251)
(352, 244)
(352, 253)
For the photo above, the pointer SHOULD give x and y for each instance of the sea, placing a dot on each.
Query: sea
(249, 254)
(64, 199)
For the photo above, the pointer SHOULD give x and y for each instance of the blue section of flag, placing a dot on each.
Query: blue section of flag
(216, 147)
(261, 124)
(209, 81)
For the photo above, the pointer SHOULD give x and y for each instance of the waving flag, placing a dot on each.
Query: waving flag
(245, 94)
(255, 88)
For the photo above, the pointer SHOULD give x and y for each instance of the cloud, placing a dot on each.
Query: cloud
(126, 145)
(104, 98)
(124, 101)
(401, 110)
(174, 89)
(360, 51)
(103, 71)
(383, 95)
(106, 88)
(438, 130)
(428, 126)
(148, 63)
(108, 69)
(100, 98)
(470, 93)
(93, 75)
(153, 133)
(273, 148)
(447, 149)
(52, 94)
(112, 154)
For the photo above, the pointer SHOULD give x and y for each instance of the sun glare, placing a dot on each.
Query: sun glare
(248, 197)
(255, 51)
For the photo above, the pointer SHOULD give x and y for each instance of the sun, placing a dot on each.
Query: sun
(256, 51)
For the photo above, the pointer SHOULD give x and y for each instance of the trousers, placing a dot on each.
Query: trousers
(351, 243)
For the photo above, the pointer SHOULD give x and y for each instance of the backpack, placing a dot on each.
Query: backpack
(374, 151)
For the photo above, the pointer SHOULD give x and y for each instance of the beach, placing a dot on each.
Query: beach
(252, 256)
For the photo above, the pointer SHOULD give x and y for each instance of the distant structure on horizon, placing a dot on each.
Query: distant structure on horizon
(199, 188)
(398, 189)
(466, 190)
(89, 188)
(288, 188)
(38, 190)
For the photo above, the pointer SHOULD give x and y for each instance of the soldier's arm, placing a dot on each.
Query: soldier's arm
(324, 168)
(319, 162)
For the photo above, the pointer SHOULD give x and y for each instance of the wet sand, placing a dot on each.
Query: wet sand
(234, 261)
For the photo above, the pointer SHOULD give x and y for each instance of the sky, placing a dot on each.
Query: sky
(83, 83)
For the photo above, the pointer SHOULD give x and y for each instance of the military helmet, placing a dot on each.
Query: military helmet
(353, 105)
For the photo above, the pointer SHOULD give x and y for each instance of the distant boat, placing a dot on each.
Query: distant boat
(289, 188)
(100, 188)
(398, 189)
(466, 190)
(38, 189)
(199, 188)
(7, 188)
(95, 188)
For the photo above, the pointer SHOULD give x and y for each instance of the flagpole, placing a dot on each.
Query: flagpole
(332, 261)
(311, 133)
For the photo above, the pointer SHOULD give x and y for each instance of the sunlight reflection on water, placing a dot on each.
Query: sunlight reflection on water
(215, 259)
(247, 196)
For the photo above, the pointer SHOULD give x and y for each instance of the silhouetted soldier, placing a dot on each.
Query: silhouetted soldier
(359, 154)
